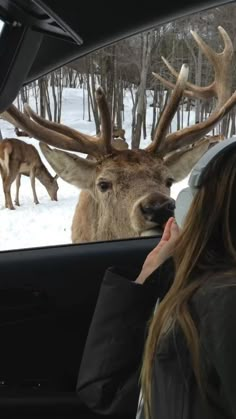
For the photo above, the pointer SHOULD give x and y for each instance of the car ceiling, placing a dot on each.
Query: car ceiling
(41, 36)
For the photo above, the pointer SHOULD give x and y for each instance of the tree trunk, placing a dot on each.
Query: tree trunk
(93, 101)
(47, 98)
(89, 97)
(119, 104)
(147, 40)
(144, 119)
(154, 112)
(60, 77)
(233, 127)
(42, 107)
(35, 96)
(198, 83)
(54, 95)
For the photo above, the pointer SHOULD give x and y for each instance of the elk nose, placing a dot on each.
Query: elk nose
(159, 212)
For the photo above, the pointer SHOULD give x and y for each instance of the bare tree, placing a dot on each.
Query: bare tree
(147, 41)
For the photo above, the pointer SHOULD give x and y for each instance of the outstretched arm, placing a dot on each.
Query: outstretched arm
(108, 381)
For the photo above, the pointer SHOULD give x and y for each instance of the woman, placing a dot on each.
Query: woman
(188, 369)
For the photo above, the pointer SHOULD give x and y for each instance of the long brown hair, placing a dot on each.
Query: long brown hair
(207, 243)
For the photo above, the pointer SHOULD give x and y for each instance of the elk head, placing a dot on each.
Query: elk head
(126, 193)
(52, 188)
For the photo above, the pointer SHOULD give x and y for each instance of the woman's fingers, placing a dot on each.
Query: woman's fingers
(170, 234)
(161, 252)
(167, 230)
(174, 230)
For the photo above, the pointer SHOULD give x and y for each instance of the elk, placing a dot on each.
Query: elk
(118, 133)
(126, 193)
(17, 158)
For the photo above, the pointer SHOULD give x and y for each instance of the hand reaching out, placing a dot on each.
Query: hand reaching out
(161, 252)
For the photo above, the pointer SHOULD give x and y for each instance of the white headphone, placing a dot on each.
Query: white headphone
(196, 179)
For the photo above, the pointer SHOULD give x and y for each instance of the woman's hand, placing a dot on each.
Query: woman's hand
(161, 252)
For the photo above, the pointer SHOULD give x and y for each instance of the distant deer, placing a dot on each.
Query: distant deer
(126, 193)
(19, 158)
(118, 133)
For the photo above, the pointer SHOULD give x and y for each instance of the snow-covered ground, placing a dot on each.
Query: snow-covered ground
(49, 223)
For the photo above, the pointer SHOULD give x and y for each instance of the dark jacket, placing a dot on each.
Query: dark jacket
(108, 381)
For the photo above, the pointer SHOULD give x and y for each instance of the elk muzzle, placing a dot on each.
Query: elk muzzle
(152, 212)
(159, 213)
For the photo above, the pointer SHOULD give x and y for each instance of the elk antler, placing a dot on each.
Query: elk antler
(106, 126)
(61, 136)
(220, 87)
(170, 110)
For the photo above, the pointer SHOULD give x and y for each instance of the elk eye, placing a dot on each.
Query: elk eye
(169, 182)
(104, 186)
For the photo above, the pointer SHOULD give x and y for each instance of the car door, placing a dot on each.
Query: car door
(47, 299)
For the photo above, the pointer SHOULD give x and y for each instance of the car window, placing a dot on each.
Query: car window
(112, 194)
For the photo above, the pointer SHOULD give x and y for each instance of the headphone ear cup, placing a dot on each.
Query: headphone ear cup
(182, 205)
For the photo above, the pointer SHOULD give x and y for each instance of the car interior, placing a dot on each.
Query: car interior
(48, 294)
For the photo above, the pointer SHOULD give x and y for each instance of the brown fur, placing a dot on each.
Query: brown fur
(17, 158)
(137, 178)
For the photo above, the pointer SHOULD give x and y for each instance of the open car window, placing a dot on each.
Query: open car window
(112, 194)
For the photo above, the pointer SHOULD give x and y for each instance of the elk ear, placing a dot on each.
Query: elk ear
(71, 168)
(180, 163)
